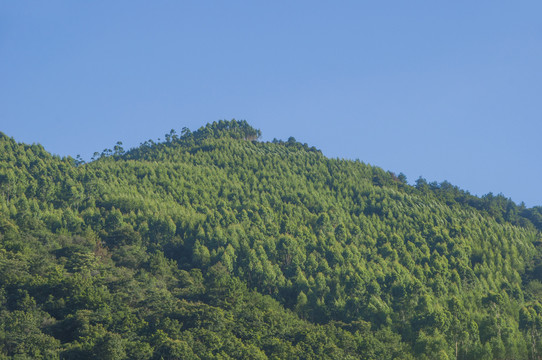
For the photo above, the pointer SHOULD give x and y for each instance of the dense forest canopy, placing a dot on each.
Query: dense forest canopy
(214, 245)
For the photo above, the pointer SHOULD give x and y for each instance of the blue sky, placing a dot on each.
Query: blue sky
(444, 90)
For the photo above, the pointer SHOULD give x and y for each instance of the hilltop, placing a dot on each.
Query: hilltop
(213, 244)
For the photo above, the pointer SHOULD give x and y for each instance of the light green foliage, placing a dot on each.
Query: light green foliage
(213, 245)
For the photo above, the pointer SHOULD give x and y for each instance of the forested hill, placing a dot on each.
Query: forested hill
(214, 245)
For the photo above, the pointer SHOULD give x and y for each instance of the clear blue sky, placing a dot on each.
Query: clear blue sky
(444, 90)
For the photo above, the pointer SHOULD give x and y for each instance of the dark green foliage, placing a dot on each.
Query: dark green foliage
(213, 245)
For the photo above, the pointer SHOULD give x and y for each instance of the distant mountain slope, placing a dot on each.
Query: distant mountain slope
(214, 245)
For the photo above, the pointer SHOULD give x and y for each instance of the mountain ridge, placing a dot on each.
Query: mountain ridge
(350, 254)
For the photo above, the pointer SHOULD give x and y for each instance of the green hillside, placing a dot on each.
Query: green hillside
(213, 245)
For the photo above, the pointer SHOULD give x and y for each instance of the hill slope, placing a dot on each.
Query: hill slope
(214, 245)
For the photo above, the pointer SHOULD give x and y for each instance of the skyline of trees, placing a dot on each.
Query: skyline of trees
(213, 245)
